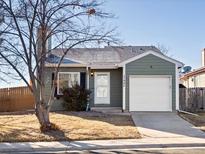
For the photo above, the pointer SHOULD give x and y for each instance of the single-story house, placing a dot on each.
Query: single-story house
(195, 78)
(131, 78)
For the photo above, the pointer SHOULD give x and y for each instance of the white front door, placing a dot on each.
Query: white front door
(102, 88)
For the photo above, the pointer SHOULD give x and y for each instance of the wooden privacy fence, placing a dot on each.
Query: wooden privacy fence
(16, 99)
(192, 99)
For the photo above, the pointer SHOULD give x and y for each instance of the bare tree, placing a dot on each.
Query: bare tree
(27, 27)
(162, 48)
(2, 64)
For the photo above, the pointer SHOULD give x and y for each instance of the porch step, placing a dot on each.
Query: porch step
(110, 110)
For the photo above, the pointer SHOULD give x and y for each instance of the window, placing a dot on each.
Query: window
(67, 79)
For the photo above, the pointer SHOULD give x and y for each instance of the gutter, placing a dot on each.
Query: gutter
(65, 65)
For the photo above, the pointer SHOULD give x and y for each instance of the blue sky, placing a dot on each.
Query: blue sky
(179, 25)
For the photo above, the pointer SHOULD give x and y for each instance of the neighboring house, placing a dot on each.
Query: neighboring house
(131, 78)
(195, 78)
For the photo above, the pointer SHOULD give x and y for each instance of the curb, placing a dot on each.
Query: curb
(99, 147)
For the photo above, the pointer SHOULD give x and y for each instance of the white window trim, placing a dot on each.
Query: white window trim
(78, 73)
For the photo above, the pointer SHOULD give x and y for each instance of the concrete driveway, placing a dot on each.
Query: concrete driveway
(164, 125)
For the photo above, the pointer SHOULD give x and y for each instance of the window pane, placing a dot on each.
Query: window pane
(102, 92)
(74, 79)
(102, 79)
(67, 80)
(63, 80)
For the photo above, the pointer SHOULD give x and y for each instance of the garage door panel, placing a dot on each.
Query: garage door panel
(150, 94)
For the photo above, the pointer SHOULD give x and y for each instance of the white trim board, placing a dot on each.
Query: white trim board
(87, 78)
(177, 87)
(64, 65)
(77, 61)
(103, 67)
(179, 64)
(123, 88)
(116, 66)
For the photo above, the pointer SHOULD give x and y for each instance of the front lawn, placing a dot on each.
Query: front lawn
(73, 126)
(198, 121)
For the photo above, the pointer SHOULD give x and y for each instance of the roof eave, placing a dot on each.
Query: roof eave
(103, 67)
(193, 73)
(178, 63)
(65, 65)
(71, 59)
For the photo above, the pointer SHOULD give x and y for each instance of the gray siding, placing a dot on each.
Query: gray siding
(57, 105)
(150, 65)
(115, 88)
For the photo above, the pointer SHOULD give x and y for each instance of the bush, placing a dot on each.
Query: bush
(75, 98)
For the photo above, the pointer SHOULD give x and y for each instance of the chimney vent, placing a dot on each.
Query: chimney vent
(203, 57)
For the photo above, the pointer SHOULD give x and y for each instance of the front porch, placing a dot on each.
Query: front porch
(107, 109)
(106, 89)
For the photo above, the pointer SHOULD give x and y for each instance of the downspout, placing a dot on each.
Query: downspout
(87, 87)
(176, 87)
(87, 78)
(123, 88)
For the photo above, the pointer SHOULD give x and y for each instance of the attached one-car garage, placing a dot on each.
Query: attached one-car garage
(150, 93)
(151, 83)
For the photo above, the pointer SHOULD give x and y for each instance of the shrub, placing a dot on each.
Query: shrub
(75, 98)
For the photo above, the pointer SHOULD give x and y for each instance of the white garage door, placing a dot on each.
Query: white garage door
(150, 93)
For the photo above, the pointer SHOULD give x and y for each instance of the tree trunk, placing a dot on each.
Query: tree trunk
(42, 113)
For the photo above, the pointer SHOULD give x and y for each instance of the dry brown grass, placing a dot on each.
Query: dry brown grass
(198, 121)
(73, 125)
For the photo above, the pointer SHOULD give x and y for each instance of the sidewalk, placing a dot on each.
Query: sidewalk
(104, 144)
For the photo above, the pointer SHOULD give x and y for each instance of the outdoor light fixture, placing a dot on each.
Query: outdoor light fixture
(91, 73)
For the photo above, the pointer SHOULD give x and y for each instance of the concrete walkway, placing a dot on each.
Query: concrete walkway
(164, 125)
(151, 143)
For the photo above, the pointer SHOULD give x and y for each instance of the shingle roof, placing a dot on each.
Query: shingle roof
(193, 73)
(54, 59)
(109, 55)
